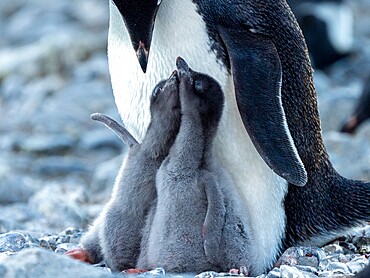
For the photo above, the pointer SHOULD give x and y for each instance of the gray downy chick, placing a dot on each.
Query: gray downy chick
(197, 224)
(115, 236)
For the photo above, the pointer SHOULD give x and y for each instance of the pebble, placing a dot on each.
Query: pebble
(12, 242)
(337, 266)
(290, 272)
(37, 262)
(332, 249)
(274, 273)
(356, 267)
(69, 238)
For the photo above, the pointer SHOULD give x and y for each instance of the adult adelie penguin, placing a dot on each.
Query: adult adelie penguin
(257, 53)
(328, 29)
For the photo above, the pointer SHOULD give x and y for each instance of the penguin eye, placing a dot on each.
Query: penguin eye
(156, 92)
(198, 86)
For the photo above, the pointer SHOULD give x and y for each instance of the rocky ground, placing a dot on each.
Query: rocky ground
(57, 166)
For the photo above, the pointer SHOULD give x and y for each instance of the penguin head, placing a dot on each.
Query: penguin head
(164, 101)
(201, 93)
(139, 17)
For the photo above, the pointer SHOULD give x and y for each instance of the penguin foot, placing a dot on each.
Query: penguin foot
(79, 254)
(241, 272)
(134, 271)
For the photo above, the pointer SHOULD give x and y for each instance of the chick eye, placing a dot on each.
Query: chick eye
(156, 92)
(198, 85)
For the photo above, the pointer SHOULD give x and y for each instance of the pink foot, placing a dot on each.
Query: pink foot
(242, 271)
(134, 271)
(79, 254)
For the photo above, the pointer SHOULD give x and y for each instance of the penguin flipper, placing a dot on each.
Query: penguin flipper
(120, 130)
(257, 74)
(214, 221)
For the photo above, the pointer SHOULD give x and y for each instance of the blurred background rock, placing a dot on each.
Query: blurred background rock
(55, 162)
(56, 165)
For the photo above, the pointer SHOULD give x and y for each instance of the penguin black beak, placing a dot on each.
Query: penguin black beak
(182, 66)
(142, 54)
(139, 18)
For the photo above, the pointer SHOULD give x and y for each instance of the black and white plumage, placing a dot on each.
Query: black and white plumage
(253, 49)
(328, 29)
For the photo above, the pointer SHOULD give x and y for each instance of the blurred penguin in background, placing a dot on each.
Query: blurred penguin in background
(327, 26)
(361, 112)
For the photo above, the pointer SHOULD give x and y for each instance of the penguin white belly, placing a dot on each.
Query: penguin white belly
(180, 31)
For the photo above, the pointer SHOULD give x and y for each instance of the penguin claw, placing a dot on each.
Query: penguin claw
(241, 272)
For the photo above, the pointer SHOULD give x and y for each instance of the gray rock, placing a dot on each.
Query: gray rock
(305, 268)
(304, 256)
(327, 274)
(357, 266)
(17, 216)
(364, 130)
(42, 263)
(12, 242)
(338, 267)
(60, 165)
(160, 272)
(47, 143)
(22, 187)
(103, 179)
(101, 138)
(6, 226)
(11, 87)
(94, 68)
(274, 273)
(291, 272)
(343, 148)
(336, 104)
(333, 249)
(60, 206)
(91, 13)
(64, 247)
(8, 8)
